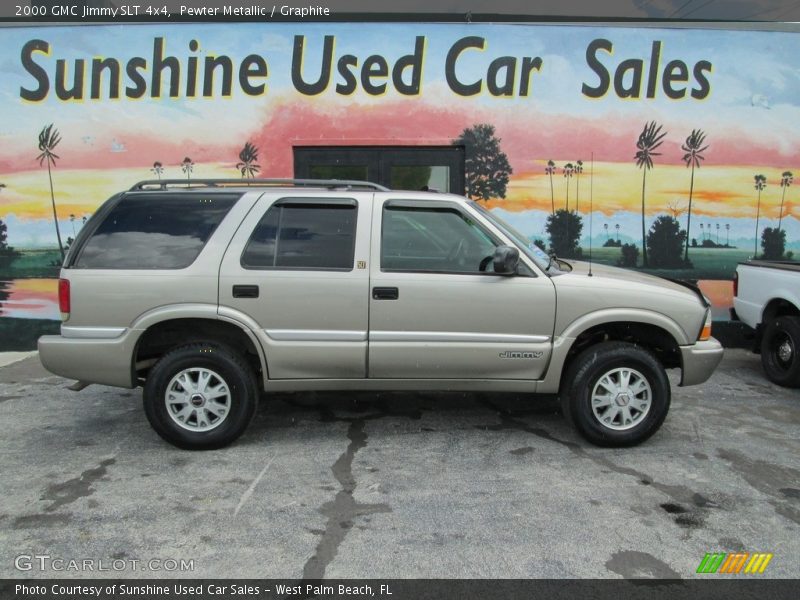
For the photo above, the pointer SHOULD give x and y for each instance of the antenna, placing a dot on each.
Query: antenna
(591, 211)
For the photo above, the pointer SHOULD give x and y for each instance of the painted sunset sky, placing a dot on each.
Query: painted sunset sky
(751, 117)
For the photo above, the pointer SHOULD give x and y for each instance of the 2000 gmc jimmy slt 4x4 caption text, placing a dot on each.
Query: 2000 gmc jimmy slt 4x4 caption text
(207, 293)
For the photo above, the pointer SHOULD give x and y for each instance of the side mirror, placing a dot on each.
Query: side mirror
(506, 259)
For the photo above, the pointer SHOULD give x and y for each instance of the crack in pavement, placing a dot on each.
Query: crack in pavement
(344, 508)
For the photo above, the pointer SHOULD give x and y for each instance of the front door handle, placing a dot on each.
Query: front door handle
(245, 291)
(385, 293)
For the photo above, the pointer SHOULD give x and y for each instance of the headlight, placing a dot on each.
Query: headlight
(705, 332)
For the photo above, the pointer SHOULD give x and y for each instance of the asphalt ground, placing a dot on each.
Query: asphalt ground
(397, 485)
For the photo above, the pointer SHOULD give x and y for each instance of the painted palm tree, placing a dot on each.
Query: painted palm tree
(187, 166)
(786, 181)
(158, 169)
(578, 171)
(693, 148)
(569, 171)
(550, 169)
(617, 228)
(649, 141)
(247, 161)
(760, 184)
(49, 138)
(727, 234)
(72, 221)
(702, 232)
(605, 226)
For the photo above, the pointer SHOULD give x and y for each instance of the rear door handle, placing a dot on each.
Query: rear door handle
(385, 293)
(245, 291)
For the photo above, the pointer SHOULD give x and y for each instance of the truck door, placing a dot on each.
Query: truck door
(436, 308)
(297, 269)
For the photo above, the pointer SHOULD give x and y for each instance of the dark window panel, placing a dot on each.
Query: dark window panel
(303, 236)
(155, 231)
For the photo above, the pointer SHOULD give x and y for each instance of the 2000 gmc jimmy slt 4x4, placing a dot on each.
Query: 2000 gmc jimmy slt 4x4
(208, 293)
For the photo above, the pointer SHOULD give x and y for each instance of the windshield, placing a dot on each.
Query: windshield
(530, 249)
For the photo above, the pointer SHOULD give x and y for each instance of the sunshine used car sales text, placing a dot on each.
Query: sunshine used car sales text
(317, 68)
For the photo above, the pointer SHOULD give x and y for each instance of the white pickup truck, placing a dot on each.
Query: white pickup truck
(767, 298)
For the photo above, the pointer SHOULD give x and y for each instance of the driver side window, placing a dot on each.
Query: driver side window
(439, 240)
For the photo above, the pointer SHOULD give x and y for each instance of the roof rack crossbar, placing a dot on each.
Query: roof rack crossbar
(164, 184)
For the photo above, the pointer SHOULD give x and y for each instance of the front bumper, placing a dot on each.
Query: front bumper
(699, 360)
(91, 360)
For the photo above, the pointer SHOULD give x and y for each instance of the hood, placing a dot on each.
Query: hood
(581, 268)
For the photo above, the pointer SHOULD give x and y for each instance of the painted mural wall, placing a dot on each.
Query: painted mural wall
(668, 150)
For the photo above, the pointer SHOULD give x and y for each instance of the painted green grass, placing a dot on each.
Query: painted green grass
(709, 263)
(31, 263)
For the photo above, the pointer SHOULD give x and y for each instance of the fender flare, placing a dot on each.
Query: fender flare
(213, 312)
(627, 315)
(780, 295)
(563, 343)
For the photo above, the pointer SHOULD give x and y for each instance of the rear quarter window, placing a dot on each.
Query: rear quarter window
(155, 231)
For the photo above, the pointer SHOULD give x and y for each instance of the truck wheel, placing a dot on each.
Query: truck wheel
(780, 345)
(200, 396)
(615, 394)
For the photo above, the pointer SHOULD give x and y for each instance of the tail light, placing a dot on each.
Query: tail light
(63, 298)
(735, 284)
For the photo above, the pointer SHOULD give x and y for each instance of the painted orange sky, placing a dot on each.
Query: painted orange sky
(86, 175)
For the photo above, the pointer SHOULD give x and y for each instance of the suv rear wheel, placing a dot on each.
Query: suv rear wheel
(200, 396)
(616, 394)
(779, 351)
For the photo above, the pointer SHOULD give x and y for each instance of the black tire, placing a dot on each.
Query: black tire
(782, 337)
(227, 366)
(585, 372)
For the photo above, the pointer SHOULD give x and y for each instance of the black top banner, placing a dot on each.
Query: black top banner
(71, 11)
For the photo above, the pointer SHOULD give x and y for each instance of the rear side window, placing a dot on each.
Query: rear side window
(304, 234)
(155, 231)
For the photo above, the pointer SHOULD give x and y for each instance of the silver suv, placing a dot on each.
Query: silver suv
(208, 294)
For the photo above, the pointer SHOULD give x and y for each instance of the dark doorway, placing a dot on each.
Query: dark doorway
(439, 168)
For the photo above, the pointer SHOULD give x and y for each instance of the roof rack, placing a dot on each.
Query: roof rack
(346, 184)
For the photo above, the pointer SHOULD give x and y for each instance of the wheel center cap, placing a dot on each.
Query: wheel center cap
(197, 400)
(785, 352)
(623, 399)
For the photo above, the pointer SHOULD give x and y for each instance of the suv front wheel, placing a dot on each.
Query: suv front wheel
(200, 396)
(616, 394)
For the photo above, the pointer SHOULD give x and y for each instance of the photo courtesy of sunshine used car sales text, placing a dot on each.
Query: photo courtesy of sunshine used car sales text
(182, 590)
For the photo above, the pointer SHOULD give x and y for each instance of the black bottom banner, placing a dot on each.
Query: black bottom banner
(399, 589)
